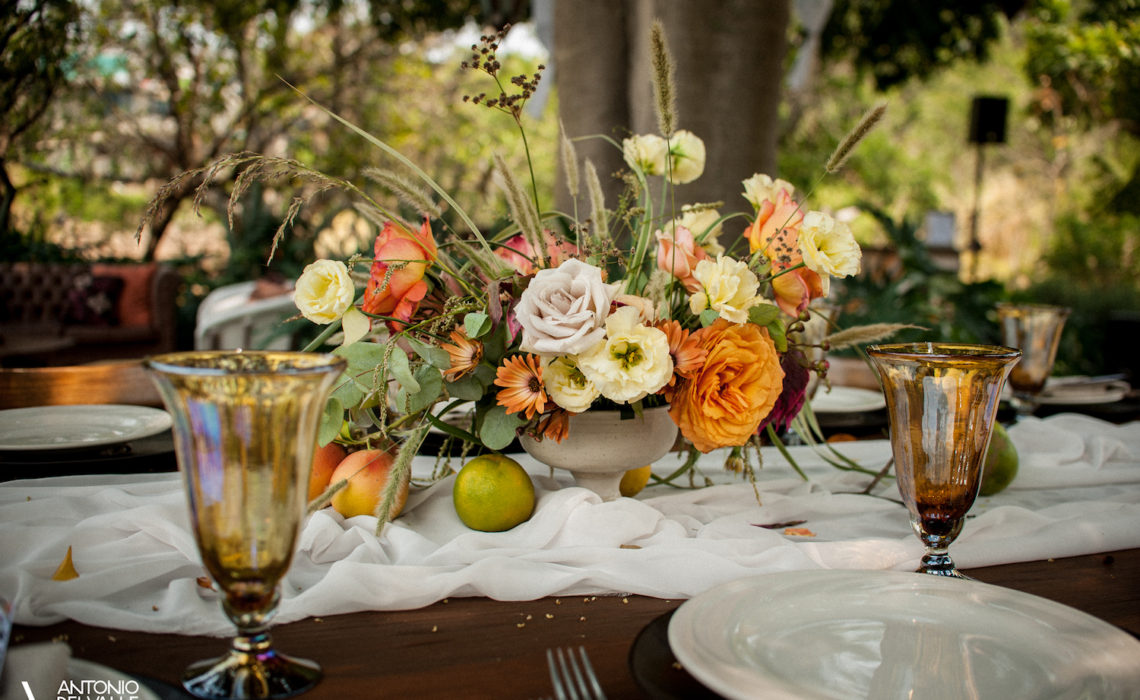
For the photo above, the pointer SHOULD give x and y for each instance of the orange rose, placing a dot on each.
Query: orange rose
(398, 292)
(776, 232)
(724, 402)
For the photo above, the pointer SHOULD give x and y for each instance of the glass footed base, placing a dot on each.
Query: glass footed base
(257, 673)
(938, 563)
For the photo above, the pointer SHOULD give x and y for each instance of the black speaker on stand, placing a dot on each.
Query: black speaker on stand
(987, 125)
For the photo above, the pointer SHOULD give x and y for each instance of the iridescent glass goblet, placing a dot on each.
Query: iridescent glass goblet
(1035, 329)
(941, 401)
(244, 428)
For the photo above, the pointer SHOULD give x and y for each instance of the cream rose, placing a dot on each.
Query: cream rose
(631, 362)
(687, 157)
(762, 187)
(727, 286)
(828, 246)
(646, 153)
(563, 310)
(567, 386)
(324, 291)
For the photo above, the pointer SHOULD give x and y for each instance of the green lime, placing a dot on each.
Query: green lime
(1000, 466)
(493, 493)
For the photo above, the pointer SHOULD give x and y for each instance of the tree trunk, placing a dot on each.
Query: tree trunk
(729, 70)
(591, 59)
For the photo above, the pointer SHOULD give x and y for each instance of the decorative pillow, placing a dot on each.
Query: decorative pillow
(93, 300)
(134, 306)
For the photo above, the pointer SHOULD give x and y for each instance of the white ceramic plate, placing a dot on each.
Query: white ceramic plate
(892, 634)
(847, 399)
(70, 427)
(1074, 391)
(79, 670)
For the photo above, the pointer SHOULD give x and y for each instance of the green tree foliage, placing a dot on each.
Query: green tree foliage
(896, 40)
(35, 40)
(1085, 59)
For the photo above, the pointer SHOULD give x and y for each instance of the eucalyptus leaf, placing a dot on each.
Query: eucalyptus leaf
(468, 388)
(431, 354)
(763, 314)
(779, 335)
(401, 369)
(708, 317)
(498, 427)
(349, 391)
(331, 421)
(430, 383)
(476, 324)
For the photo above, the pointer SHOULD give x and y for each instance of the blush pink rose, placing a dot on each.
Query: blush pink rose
(678, 254)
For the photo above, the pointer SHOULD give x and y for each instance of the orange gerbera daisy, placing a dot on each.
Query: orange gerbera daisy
(554, 425)
(521, 379)
(465, 354)
(688, 355)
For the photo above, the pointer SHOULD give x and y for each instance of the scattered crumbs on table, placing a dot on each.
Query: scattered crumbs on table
(27, 499)
(318, 619)
(777, 526)
(677, 665)
(798, 532)
(529, 616)
(435, 628)
(16, 639)
(60, 638)
(582, 618)
(629, 546)
(154, 608)
(112, 638)
(204, 582)
(625, 601)
(1050, 560)
(446, 601)
(520, 625)
(558, 601)
(549, 616)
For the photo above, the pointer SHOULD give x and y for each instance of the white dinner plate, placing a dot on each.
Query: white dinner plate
(847, 399)
(1075, 391)
(70, 427)
(79, 670)
(893, 634)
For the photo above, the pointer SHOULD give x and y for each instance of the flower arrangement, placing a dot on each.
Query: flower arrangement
(633, 306)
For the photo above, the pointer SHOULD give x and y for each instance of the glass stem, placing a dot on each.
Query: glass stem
(937, 561)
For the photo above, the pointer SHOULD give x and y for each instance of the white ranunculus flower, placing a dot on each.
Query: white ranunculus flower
(567, 386)
(727, 286)
(828, 246)
(645, 152)
(687, 155)
(324, 291)
(563, 310)
(631, 362)
(760, 187)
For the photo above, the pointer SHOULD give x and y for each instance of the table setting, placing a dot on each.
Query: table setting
(813, 569)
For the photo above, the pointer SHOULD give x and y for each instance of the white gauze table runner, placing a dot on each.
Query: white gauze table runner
(1078, 492)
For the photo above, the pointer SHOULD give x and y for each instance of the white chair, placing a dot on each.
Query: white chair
(228, 319)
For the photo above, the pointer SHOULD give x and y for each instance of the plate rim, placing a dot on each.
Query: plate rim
(872, 400)
(778, 689)
(159, 421)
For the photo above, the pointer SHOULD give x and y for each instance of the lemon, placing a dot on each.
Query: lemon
(1001, 462)
(634, 480)
(493, 493)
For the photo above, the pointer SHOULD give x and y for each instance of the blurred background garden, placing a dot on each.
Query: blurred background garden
(1037, 197)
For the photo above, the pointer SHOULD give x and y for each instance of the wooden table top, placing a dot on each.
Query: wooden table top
(481, 648)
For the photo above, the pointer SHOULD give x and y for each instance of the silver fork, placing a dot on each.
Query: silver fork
(571, 680)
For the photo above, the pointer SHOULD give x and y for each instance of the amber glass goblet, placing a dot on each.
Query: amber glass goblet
(941, 402)
(244, 428)
(1035, 329)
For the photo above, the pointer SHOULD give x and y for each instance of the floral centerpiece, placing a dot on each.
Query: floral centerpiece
(634, 306)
